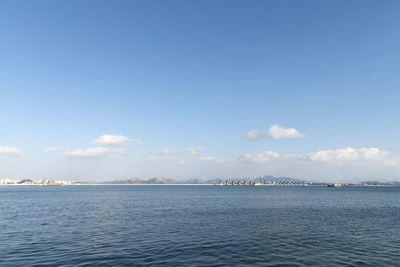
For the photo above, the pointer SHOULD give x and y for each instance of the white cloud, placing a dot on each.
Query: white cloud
(373, 153)
(94, 152)
(166, 155)
(341, 155)
(190, 150)
(348, 154)
(110, 139)
(265, 156)
(275, 132)
(162, 155)
(215, 159)
(6, 150)
(50, 149)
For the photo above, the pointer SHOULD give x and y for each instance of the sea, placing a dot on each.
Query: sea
(199, 226)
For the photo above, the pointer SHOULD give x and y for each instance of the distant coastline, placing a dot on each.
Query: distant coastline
(250, 181)
(208, 184)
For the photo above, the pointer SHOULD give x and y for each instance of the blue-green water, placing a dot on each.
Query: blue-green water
(199, 226)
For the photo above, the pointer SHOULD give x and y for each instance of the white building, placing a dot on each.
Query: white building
(4, 181)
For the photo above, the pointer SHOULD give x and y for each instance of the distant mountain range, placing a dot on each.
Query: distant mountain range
(270, 179)
(163, 180)
(160, 180)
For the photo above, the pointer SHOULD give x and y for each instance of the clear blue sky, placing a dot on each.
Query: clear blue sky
(179, 74)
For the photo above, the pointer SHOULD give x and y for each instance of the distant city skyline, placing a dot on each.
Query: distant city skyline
(200, 89)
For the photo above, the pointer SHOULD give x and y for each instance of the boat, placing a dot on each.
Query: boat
(335, 185)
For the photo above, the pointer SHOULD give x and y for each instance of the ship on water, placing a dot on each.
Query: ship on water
(335, 185)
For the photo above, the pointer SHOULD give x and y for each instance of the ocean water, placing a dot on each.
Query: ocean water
(199, 226)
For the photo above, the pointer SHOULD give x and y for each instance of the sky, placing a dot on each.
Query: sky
(102, 90)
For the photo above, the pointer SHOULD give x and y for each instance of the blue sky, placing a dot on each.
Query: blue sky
(200, 74)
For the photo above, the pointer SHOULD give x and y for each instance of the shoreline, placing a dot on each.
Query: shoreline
(268, 185)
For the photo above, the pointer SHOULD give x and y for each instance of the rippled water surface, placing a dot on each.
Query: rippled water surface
(199, 226)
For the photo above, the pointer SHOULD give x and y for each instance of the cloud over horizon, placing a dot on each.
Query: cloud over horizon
(94, 152)
(349, 154)
(50, 149)
(115, 139)
(346, 164)
(275, 132)
(12, 151)
(190, 150)
(330, 156)
(165, 154)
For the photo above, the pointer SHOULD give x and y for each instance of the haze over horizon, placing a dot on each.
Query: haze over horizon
(200, 89)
